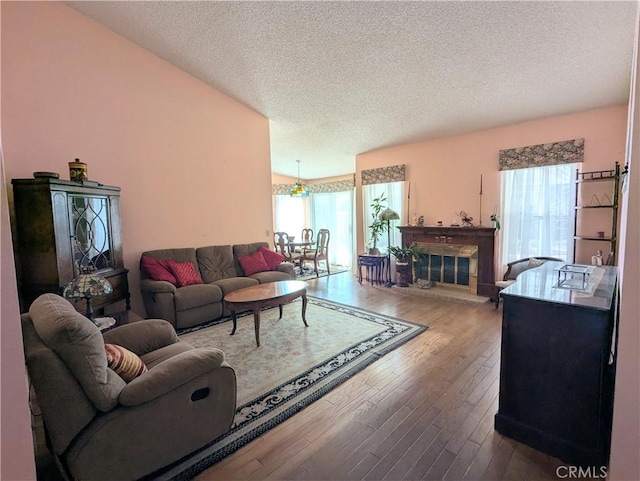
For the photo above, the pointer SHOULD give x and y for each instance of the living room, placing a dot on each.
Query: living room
(72, 88)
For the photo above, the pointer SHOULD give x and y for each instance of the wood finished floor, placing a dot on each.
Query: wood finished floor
(423, 411)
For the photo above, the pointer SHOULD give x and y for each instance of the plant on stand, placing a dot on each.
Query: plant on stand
(377, 226)
(403, 257)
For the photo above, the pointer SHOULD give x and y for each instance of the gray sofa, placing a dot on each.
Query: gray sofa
(221, 273)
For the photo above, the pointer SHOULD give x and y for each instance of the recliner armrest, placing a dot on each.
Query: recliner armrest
(170, 374)
(149, 285)
(143, 336)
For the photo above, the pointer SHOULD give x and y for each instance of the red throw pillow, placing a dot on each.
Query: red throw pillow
(273, 259)
(253, 263)
(186, 273)
(158, 269)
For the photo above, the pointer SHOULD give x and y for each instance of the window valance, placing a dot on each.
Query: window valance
(321, 188)
(382, 175)
(564, 152)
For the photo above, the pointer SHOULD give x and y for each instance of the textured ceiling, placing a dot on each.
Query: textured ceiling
(341, 78)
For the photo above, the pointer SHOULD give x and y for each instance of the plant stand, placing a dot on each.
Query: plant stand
(404, 274)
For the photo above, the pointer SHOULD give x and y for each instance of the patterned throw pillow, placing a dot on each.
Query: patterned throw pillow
(185, 272)
(253, 264)
(158, 269)
(273, 259)
(124, 362)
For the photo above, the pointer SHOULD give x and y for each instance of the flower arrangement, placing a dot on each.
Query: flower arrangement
(494, 217)
(465, 218)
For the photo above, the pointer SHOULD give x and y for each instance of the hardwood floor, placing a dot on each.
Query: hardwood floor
(423, 411)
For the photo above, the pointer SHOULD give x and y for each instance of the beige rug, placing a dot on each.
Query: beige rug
(294, 365)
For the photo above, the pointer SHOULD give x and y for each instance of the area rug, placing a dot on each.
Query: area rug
(309, 274)
(293, 367)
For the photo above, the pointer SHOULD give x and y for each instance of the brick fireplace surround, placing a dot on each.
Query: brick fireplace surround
(483, 237)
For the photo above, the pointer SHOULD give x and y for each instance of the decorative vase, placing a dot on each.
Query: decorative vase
(77, 171)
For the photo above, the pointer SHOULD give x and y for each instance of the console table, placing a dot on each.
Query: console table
(557, 364)
(375, 268)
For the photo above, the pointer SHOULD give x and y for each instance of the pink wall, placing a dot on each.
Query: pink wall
(193, 164)
(445, 173)
(625, 443)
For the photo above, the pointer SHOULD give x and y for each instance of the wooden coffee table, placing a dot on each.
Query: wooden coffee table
(270, 294)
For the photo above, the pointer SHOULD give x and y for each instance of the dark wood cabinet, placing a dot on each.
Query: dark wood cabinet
(557, 365)
(62, 228)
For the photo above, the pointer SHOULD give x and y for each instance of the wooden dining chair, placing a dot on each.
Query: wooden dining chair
(320, 253)
(281, 244)
(307, 236)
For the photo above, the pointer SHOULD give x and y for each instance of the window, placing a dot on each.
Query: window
(537, 212)
(334, 211)
(395, 201)
(289, 214)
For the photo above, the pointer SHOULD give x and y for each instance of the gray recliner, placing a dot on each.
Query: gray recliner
(99, 426)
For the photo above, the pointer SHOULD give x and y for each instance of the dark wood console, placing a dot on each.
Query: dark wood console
(557, 365)
(483, 237)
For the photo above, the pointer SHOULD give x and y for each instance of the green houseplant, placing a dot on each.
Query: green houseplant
(377, 226)
(403, 257)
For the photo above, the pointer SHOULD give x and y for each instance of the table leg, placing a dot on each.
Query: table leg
(280, 308)
(304, 309)
(256, 325)
(360, 273)
(233, 317)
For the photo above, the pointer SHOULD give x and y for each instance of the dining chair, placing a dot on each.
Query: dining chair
(281, 243)
(307, 236)
(320, 253)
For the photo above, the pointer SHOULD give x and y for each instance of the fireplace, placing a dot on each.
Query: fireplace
(458, 250)
(448, 265)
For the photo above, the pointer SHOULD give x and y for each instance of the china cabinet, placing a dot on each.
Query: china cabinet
(62, 228)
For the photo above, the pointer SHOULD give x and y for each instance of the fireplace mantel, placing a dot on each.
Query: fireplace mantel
(483, 237)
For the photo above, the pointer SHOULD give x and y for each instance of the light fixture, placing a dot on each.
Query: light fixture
(388, 215)
(87, 286)
(299, 189)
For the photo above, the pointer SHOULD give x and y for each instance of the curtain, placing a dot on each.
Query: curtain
(537, 213)
(394, 192)
(334, 211)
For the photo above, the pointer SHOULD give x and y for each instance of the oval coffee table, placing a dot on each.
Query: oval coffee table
(270, 294)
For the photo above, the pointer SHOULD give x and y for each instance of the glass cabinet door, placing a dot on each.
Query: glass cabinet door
(90, 234)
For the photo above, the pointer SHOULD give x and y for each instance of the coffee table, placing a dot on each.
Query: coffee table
(270, 294)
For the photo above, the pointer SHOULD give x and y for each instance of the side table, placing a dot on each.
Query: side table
(375, 268)
(120, 318)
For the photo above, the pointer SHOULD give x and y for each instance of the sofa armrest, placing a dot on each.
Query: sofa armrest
(171, 374)
(288, 268)
(149, 285)
(143, 336)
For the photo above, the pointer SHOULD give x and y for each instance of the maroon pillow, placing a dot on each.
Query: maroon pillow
(186, 273)
(253, 263)
(158, 269)
(273, 259)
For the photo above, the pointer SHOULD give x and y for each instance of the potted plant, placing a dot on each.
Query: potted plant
(403, 257)
(494, 217)
(377, 226)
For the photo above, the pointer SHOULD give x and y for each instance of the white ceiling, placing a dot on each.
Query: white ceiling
(341, 78)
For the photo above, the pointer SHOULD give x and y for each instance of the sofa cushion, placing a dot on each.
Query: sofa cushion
(253, 263)
(271, 276)
(216, 262)
(242, 250)
(197, 295)
(158, 269)
(273, 259)
(125, 363)
(234, 283)
(79, 343)
(185, 254)
(186, 273)
(155, 357)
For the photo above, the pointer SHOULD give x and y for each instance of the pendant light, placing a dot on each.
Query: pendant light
(299, 189)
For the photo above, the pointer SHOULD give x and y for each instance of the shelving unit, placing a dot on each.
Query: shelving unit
(612, 176)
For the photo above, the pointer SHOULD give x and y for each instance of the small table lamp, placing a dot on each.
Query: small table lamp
(87, 286)
(388, 215)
